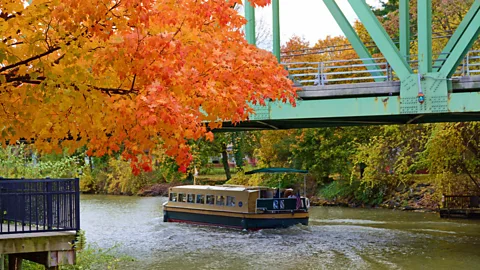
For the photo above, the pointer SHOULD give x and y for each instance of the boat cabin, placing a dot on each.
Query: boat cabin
(232, 198)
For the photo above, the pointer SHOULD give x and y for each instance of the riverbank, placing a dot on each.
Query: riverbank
(156, 190)
(415, 197)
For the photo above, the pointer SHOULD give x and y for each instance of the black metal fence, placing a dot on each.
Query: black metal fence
(39, 205)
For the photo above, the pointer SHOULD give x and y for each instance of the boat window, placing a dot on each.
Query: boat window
(230, 201)
(191, 198)
(173, 197)
(220, 200)
(210, 199)
(200, 198)
(182, 197)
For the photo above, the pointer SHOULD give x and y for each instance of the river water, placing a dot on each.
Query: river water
(337, 238)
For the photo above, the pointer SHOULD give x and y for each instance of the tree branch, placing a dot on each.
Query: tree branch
(17, 80)
(8, 16)
(470, 175)
(28, 60)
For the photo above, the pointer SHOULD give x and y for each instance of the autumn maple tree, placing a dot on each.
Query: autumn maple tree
(126, 75)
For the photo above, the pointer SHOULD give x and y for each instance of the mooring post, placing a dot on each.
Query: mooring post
(14, 262)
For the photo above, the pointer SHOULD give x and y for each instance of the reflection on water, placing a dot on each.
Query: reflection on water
(337, 238)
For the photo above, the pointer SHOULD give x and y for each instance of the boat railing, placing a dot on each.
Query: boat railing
(280, 204)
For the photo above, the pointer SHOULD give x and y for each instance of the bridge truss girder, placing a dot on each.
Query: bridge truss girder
(380, 110)
(425, 91)
(441, 102)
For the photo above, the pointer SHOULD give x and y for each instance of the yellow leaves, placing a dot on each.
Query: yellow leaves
(126, 74)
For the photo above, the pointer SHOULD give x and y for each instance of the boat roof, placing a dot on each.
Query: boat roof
(222, 188)
(276, 170)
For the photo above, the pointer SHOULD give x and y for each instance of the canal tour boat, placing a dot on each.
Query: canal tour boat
(242, 207)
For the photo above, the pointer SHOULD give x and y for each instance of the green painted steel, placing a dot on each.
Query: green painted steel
(454, 39)
(250, 27)
(405, 29)
(354, 39)
(465, 42)
(424, 97)
(276, 28)
(424, 25)
(468, 102)
(381, 38)
(326, 108)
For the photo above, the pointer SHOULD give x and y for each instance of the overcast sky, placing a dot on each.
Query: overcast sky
(307, 18)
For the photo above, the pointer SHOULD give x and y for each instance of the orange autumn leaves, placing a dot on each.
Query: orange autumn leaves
(126, 76)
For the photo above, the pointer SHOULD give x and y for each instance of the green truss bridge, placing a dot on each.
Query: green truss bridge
(396, 89)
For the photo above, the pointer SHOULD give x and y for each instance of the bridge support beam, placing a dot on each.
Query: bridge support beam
(427, 91)
(250, 27)
(355, 40)
(381, 38)
(424, 20)
(455, 38)
(405, 29)
(464, 43)
(276, 28)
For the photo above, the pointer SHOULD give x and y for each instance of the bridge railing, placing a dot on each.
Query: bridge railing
(472, 64)
(337, 71)
(355, 70)
(39, 205)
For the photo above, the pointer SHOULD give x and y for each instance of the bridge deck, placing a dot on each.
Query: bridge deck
(388, 88)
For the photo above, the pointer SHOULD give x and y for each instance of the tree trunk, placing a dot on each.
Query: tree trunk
(225, 161)
(90, 162)
(239, 145)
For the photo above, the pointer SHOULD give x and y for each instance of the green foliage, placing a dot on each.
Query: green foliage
(116, 177)
(21, 161)
(244, 144)
(393, 151)
(121, 180)
(275, 148)
(94, 257)
(386, 7)
(326, 152)
(336, 189)
(113, 175)
(453, 149)
(355, 191)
